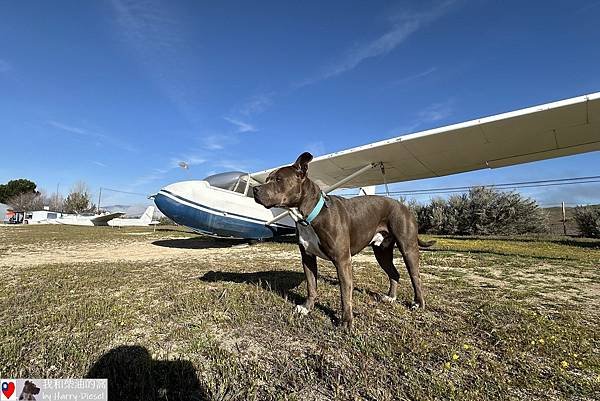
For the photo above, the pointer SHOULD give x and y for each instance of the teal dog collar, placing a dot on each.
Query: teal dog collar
(317, 209)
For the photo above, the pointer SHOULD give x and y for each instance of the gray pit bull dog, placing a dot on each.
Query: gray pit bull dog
(339, 228)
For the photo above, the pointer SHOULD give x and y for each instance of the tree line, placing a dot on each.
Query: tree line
(22, 195)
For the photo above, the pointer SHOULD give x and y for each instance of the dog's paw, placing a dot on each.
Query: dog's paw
(301, 310)
(416, 305)
(388, 299)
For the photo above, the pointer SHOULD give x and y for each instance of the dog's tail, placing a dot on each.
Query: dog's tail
(424, 244)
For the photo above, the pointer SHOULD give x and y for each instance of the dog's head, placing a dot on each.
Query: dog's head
(29, 390)
(283, 186)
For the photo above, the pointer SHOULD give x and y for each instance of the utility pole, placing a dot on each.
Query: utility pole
(564, 218)
(99, 200)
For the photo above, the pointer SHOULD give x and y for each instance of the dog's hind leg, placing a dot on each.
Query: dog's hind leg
(309, 263)
(385, 258)
(410, 253)
(404, 229)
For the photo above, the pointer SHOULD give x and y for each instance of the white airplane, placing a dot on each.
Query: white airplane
(222, 205)
(85, 220)
(144, 221)
(106, 219)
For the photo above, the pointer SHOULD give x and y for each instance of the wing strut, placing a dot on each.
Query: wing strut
(331, 188)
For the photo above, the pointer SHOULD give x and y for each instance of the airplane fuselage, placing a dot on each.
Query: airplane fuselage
(219, 212)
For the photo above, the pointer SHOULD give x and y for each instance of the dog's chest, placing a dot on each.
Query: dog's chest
(307, 237)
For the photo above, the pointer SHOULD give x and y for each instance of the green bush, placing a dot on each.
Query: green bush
(481, 211)
(588, 220)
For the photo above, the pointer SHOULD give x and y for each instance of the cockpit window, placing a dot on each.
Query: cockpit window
(231, 181)
(226, 181)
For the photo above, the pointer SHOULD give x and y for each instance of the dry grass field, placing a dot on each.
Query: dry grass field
(171, 315)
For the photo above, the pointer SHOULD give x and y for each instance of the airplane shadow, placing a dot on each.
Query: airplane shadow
(133, 375)
(200, 242)
(280, 282)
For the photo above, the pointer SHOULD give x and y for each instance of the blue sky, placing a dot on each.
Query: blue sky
(116, 93)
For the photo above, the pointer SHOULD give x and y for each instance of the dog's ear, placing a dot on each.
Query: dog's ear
(301, 164)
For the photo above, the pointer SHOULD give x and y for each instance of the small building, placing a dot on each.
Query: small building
(10, 216)
(41, 217)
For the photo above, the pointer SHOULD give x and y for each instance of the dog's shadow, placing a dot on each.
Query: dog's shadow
(133, 375)
(281, 282)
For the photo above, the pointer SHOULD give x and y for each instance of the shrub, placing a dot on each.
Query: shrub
(482, 211)
(588, 220)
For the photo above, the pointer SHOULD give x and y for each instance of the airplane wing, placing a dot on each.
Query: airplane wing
(561, 128)
(105, 218)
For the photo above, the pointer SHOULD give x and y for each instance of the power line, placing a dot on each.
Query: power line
(123, 192)
(507, 185)
(463, 189)
(520, 184)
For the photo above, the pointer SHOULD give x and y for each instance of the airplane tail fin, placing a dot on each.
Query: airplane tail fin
(370, 190)
(147, 216)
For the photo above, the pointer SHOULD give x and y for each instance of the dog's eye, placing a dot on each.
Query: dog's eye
(277, 179)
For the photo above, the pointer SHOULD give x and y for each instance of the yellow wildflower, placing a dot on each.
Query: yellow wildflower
(541, 341)
(447, 366)
(564, 364)
(454, 357)
(466, 346)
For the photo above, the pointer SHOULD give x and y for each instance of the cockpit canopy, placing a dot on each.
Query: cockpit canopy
(235, 181)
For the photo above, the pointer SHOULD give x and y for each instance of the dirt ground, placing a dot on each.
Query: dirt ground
(507, 318)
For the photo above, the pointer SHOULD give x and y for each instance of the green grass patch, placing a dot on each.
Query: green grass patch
(171, 315)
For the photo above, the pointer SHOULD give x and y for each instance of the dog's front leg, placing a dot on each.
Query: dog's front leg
(309, 263)
(343, 265)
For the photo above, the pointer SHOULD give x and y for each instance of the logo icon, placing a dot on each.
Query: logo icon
(8, 390)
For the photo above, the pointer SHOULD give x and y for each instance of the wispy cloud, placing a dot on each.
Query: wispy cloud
(152, 30)
(241, 126)
(414, 77)
(436, 112)
(97, 163)
(256, 104)
(316, 148)
(404, 26)
(4, 66)
(69, 128)
(99, 137)
(218, 142)
(155, 174)
(431, 114)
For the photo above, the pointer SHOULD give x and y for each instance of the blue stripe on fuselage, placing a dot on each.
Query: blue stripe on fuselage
(214, 223)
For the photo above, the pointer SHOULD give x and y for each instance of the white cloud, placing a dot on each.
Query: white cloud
(218, 142)
(241, 126)
(316, 148)
(405, 25)
(153, 31)
(98, 137)
(256, 104)
(436, 112)
(428, 115)
(97, 163)
(71, 129)
(414, 77)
